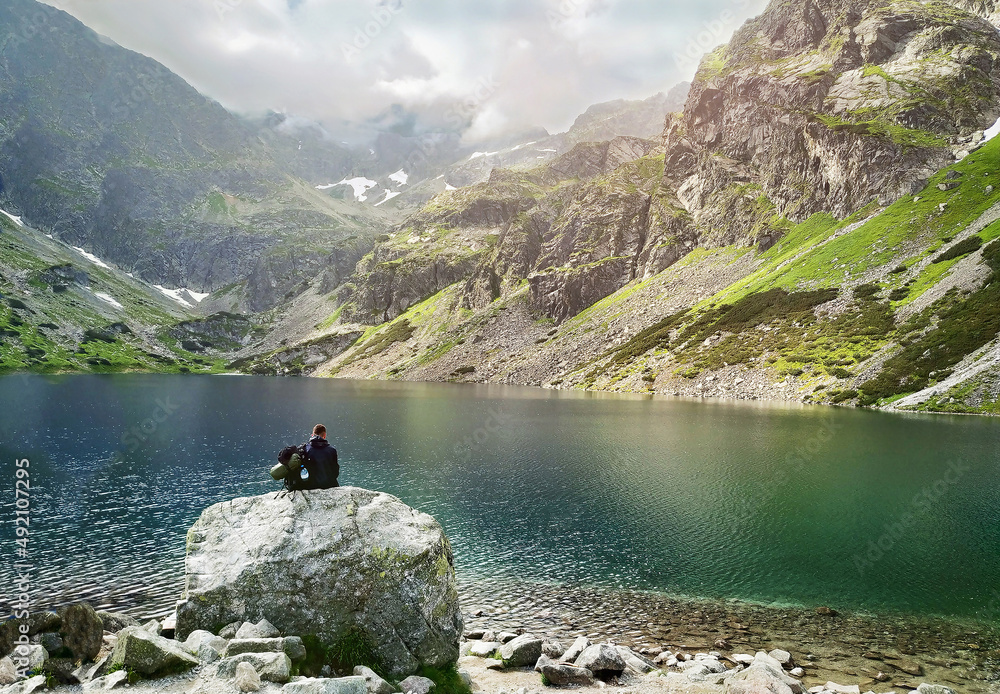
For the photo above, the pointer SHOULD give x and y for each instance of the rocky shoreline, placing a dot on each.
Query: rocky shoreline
(256, 657)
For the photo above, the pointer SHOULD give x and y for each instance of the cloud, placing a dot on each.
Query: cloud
(339, 61)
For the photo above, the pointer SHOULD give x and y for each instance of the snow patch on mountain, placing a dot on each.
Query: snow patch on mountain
(389, 195)
(360, 185)
(92, 258)
(182, 295)
(109, 299)
(400, 177)
(13, 218)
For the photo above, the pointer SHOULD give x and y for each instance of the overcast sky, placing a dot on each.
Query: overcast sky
(487, 66)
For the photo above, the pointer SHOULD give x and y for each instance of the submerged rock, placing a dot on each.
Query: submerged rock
(341, 564)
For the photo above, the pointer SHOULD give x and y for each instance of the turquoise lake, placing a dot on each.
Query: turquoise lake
(767, 503)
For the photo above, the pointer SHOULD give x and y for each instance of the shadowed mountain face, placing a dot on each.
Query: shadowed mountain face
(108, 149)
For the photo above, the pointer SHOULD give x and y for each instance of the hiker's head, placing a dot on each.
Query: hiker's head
(319, 430)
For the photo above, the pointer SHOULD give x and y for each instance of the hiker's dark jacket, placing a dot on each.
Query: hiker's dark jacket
(321, 462)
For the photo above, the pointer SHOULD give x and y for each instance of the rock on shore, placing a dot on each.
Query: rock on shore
(355, 569)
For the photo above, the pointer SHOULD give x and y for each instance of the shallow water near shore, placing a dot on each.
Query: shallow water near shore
(588, 494)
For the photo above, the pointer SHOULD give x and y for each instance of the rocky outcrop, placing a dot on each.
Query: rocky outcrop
(825, 106)
(357, 570)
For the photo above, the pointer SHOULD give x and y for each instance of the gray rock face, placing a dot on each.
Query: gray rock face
(561, 674)
(415, 684)
(764, 674)
(373, 683)
(108, 682)
(522, 651)
(8, 671)
(603, 660)
(82, 630)
(261, 630)
(339, 685)
(149, 654)
(327, 563)
(581, 644)
(553, 649)
(246, 678)
(273, 667)
(635, 662)
(781, 120)
(484, 649)
(116, 621)
(934, 689)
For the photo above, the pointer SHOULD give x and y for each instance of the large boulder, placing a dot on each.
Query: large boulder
(764, 674)
(355, 569)
(82, 630)
(149, 654)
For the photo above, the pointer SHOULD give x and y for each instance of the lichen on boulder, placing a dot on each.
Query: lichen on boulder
(360, 575)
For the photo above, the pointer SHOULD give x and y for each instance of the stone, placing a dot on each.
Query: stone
(8, 671)
(696, 672)
(373, 683)
(27, 686)
(826, 612)
(35, 655)
(273, 667)
(635, 662)
(229, 631)
(764, 674)
(414, 684)
(474, 634)
(602, 660)
(561, 674)
(784, 658)
(254, 645)
(294, 648)
(207, 654)
(579, 646)
(722, 643)
(522, 651)
(149, 654)
(116, 621)
(484, 649)
(842, 688)
(493, 664)
(82, 630)
(52, 643)
(196, 639)
(663, 657)
(246, 678)
(506, 636)
(152, 626)
(324, 685)
(261, 630)
(742, 658)
(553, 649)
(363, 562)
(86, 671)
(63, 670)
(103, 684)
(797, 672)
(909, 668)
(934, 689)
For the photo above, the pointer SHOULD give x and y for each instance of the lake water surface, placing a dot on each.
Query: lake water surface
(782, 505)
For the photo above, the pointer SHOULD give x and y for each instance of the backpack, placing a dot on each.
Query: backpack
(293, 459)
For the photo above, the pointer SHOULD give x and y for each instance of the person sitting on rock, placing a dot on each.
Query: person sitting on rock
(320, 462)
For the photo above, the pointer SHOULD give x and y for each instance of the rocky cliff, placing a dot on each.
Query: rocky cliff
(826, 105)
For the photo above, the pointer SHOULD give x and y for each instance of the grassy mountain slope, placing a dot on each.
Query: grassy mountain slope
(886, 303)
